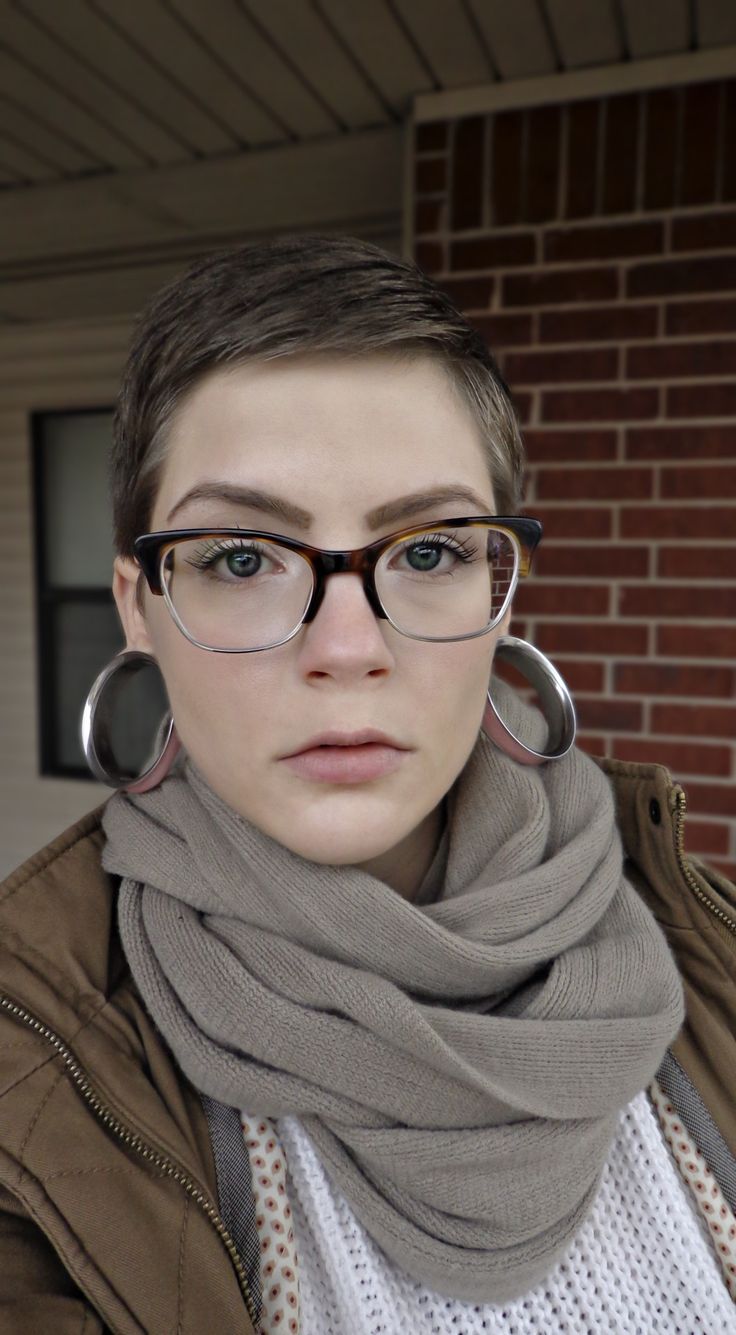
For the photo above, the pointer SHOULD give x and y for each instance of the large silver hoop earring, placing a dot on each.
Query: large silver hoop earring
(557, 705)
(95, 728)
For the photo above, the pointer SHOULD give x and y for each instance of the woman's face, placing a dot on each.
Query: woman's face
(337, 438)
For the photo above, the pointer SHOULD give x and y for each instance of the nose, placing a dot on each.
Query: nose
(345, 635)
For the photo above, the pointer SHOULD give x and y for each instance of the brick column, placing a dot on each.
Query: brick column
(594, 244)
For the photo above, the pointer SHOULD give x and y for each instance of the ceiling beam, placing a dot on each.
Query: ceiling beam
(327, 183)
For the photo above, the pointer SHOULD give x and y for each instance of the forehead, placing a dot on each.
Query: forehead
(326, 430)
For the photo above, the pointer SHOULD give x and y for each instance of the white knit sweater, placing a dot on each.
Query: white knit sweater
(643, 1263)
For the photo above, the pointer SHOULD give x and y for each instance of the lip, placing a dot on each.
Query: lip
(347, 739)
(346, 764)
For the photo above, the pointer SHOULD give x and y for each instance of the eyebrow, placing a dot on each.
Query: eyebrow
(268, 503)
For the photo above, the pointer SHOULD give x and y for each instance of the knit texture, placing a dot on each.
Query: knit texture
(458, 1064)
(641, 1264)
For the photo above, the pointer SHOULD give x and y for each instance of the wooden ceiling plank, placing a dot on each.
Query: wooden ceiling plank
(80, 129)
(32, 34)
(445, 35)
(18, 159)
(516, 37)
(586, 32)
(381, 48)
(716, 22)
(657, 27)
(117, 61)
(254, 59)
(303, 36)
(220, 96)
(43, 140)
(315, 183)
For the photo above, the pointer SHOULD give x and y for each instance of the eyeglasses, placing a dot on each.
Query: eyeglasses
(238, 591)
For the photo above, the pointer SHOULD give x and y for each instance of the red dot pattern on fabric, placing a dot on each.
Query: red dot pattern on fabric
(710, 1199)
(278, 1255)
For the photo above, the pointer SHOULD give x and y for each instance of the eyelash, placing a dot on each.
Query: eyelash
(217, 547)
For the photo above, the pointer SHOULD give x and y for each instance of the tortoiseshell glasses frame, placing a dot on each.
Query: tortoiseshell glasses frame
(151, 550)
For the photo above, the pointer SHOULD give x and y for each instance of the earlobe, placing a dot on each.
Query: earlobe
(125, 586)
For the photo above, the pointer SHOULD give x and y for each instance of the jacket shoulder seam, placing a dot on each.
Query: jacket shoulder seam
(52, 852)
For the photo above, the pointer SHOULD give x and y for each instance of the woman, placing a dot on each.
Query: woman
(342, 1015)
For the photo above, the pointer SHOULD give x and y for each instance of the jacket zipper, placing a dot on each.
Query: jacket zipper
(135, 1142)
(680, 810)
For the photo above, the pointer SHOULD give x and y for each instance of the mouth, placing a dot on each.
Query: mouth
(341, 764)
(349, 741)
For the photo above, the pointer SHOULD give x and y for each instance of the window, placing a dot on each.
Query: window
(78, 628)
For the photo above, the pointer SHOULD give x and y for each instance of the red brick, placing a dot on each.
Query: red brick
(665, 278)
(580, 445)
(700, 137)
(655, 361)
(711, 400)
(679, 757)
(580, 675)
(666, 600)
(549, 286)
(468, 293)
(718, 480)
(669, 521)
(583, 120)
(593, 637)
(430, 256)
(601, 324)
(505, 331)
(712, 799)
(507, 129)
(607, 562)
(710, 316)
(490, 252)
(599, 405)
(523, 404)
(590, 742)
(430, 137)
(612, 715)
(703, 837)
(598, 484)
(660, 148)
(694, 720)
(706, 642)
(604, 242)
(681, 442)
(672, 679)
(547, 599)
(543, 162)
(621, 134)
(573, 365)
(467, 173)
(428, 215)
(703, 562)
(584, 521)
(705, 231)
(430, 175)
(725, 865)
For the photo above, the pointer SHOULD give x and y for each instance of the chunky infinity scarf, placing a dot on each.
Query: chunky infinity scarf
(459, 1064)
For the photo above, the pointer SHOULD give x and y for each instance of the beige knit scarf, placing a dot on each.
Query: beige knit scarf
(459, 1062)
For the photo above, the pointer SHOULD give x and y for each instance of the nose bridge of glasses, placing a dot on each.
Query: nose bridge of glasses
(356, 562)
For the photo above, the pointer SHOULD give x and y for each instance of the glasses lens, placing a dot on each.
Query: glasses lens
(236, 593)
(446, 582)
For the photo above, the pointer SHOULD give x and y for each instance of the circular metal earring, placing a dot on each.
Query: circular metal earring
(96, 721)
(557, 705)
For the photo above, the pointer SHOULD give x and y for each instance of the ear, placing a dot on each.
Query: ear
(127, 578)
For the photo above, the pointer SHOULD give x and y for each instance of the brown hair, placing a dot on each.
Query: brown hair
(294, 294)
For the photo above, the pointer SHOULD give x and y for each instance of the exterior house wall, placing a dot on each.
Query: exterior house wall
(594, 245)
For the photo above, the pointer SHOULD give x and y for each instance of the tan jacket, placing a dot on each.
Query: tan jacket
(109, 1217)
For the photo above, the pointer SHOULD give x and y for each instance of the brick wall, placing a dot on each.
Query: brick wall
(595, 246)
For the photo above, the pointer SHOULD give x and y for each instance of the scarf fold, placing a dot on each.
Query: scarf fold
(459, 1062)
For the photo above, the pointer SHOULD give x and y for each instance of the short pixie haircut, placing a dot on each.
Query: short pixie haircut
(279, 298)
